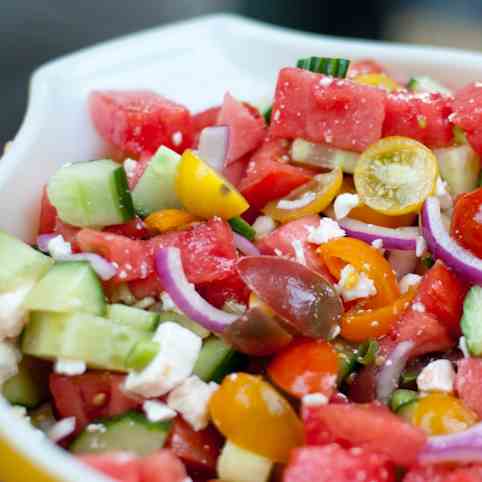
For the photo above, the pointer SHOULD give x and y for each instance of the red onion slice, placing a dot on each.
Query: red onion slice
(462, 447)
(245, 245)
(43, 241)
(387, 380)
(213, 146)
(401, 238)
(443, 246)
(171, 273)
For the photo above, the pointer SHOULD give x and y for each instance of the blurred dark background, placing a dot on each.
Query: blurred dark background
(35, 31)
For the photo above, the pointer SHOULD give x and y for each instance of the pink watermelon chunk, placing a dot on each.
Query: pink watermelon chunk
(246, 127)
(468, 383)
(441, 473)
(138, 122)
(468, 113)
(321, 109)
(423, 117)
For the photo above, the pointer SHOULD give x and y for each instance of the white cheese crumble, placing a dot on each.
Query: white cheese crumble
(314, 400)
(157, 411)
(354, 285)
(421, 246)
(130, 167)
(377, 243)
(63, 428)
(327, 230)
(463, 347)
(409, 280)
(96, 427)
(145, 303)
(168, 303)
(419, 307)
(12, 311)
(178, 351)
(442, 194)
(191, 400)
(58, 247)
(264, 225)
(344, 203)
(437, 376)
(9, 359)
(307, 198)
(299, 251)
(326, 81)
(70, 367)
(177, 138)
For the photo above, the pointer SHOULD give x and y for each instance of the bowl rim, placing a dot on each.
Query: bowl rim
(52, 460)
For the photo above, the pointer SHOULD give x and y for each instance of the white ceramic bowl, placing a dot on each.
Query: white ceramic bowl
(192, 62)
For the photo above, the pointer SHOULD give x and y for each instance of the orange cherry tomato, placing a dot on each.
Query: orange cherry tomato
(168, 219)
(364, 258)
(466, 221)
(307, 366)
(252, 414)
(370, 216)
(361, 325)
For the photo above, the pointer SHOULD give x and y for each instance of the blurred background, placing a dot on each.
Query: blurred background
(35, 31)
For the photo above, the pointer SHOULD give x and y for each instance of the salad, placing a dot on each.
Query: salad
(244, 295)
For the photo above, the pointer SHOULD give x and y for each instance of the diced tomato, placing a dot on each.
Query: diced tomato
(440, 473)
(230, 288)
(205, 118)
(150, 286)
(466, 226)
(246, 127)
(280, 241)
(468, 383)
(162, 466)
(207, 250)
(321, 109)
(423, 117)
(89, 396)
(364, 66)
(48, 215)
(442, 294)
(133, 229)
(268, 179)
(372, 427)
(132, 258)
(140, 121)
(198, 450)
(333, 463)
(468, 113)
(118, 466)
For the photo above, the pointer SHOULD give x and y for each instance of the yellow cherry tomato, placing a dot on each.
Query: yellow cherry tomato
(204, 193)
(441, 414)
(377, 80)
(367, 215)
(395, 175)
(168, 219)
(365, 259)
(362, 325)
(310, 198)
(252, 414)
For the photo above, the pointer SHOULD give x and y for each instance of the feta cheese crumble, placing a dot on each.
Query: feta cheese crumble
(264, 225)
(307, 198)
(314, 400)
(157, 411)
(344, 203)
(58, 247)
(191, 400)
(437, 376)
(70, 367)
(354, 285)
(409, 280)
(178, 352)
(177, 138)
(130, 167)
(377, 243)
(12, 311)
(327, 230)
(419, 307)
(299, 251)
(442, 194)
(10, 356)
(63, 428)
(421, 246)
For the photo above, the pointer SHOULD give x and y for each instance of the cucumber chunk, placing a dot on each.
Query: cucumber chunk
(20, 264)
(91, 193)
(142, 354)
(68, 286)
(471, 322)
(156, 188)
(99, 342)
(236, 464)
(134, 317)
(423, 84)
(401, 397)
(216, 360)
(185, 322)
(129, 432)
(30, 386)
(460, 167)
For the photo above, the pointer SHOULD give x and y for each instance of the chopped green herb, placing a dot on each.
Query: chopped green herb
(367, 352)
(267, 114)
(241, 227)
(427, 261)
